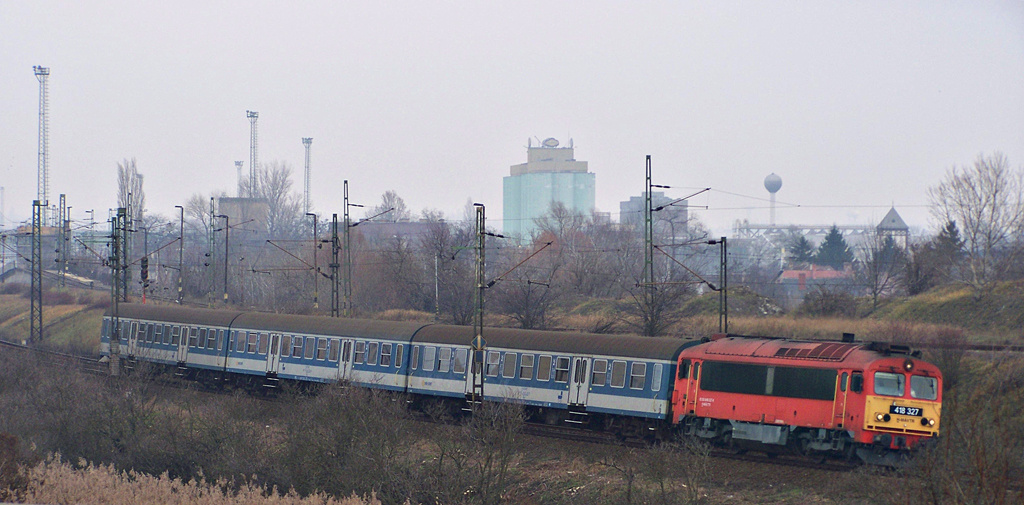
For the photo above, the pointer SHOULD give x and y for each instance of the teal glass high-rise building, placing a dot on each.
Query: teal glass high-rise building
(550, 175)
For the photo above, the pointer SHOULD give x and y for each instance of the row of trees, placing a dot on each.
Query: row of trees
(572, 259)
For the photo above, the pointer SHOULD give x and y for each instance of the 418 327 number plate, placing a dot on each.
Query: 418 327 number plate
(901, 410)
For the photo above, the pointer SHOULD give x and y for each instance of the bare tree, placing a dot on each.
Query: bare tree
(284, 206)
(130, 194)
(986, 201)
(392, 208)
(884, 267)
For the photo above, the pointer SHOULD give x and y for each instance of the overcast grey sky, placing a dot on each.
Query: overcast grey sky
(856, 105)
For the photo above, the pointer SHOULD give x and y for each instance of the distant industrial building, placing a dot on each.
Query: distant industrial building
(551, 175)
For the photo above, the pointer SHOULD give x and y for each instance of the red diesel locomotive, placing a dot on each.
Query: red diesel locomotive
(873, 400)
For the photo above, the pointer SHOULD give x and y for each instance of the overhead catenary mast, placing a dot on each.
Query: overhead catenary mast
(307, 141)
(42, 175)
(253, 152)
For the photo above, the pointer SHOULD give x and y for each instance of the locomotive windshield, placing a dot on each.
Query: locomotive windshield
(889, 384)
(924, 388)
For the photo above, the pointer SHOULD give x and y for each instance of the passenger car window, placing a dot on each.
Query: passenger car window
(656, 378)
(444, 359)
(286, 346)
(526, 367)
(371, 353)
(175, 335)
(252, 343)
(193, 335)
(360, 353)
(544, 368)
(310, 347)
(415, 357)
(385, 355)
(297, 347)
(509, 370)
(618, 374)
(493, 359)
(332, 353)
(889, 384)
(600, 375)
(924, 388)
(429, 354)
(637, 375)
(460, 360)
(264, 343)
(562, 369)
(398, 355)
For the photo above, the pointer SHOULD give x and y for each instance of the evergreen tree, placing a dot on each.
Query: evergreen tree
(800, 250)
(834, 251)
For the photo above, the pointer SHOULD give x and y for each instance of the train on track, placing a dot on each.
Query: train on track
(871, 401)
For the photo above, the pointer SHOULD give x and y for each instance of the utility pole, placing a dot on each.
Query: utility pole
(227, 231)
(478, 344)
(335, 278)
(253, 151)
(114, 260)
(348, 254)
(648, 234)
(35, 333)
(61, 257)
(181, 249)
(723, 279)
(42, 174)
(307, 141)
(316, 271)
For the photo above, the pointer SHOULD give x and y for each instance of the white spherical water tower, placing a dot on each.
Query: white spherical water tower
(773, 183)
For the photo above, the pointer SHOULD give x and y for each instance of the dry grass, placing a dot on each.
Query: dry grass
(56, 481)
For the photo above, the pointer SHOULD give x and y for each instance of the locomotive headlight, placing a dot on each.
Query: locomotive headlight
(931, 422)
(878, 416)
(908, 365)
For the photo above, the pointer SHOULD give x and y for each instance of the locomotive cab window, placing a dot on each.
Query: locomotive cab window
(889, 384)
(924, 388)
(857, 382)
(684, 369)
(842, 381)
